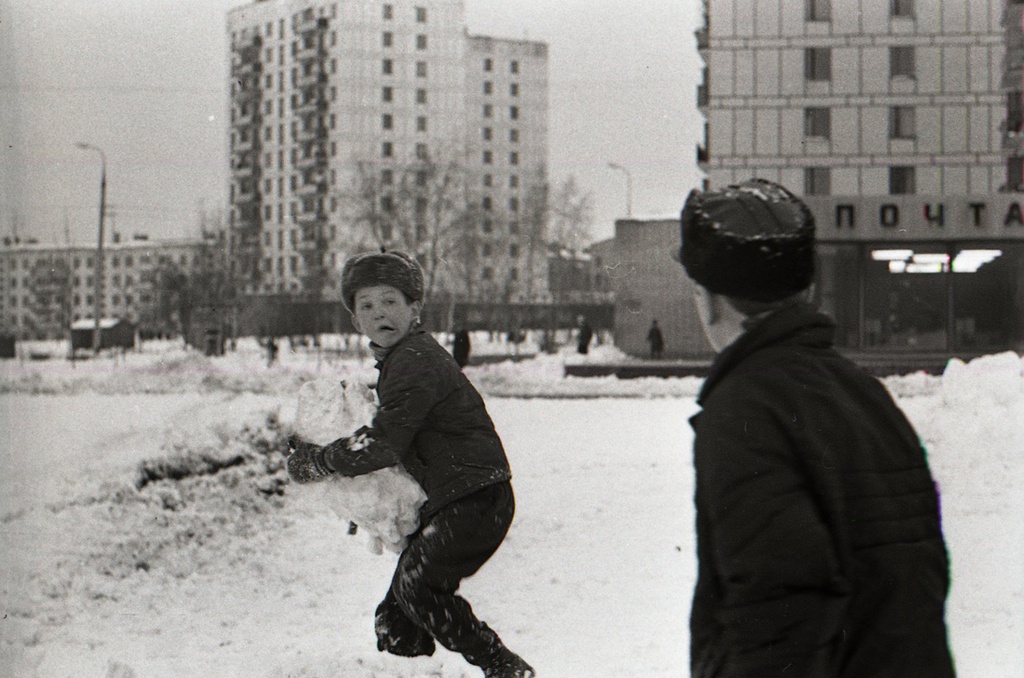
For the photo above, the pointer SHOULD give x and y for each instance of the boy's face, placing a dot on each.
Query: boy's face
(384, 314)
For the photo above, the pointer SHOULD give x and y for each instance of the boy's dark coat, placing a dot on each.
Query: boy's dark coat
(436, 421)
(818, 536)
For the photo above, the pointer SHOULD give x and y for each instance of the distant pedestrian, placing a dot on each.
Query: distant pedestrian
(656, 340)
(461, 347)
(271, 351)
(585, 333)
(819, 542)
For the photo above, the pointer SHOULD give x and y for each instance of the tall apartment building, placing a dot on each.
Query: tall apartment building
(859, 97)
(45, 288)
(900, 122)
(344, 115)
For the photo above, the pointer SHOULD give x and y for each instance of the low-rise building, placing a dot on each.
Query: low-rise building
(45, 288)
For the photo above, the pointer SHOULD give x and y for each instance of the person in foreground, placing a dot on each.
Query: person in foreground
(819, 544)
(432, 420)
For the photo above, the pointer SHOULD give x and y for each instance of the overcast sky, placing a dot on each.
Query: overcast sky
(145, 80)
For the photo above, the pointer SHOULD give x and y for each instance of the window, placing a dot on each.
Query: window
(421, 123)
(488, 158)
(513, 112)
(421, 15)
(513, 251)
(902, 8)
(488, 110)
(387, 95)
(389, 12)
(387, 177)
(513, 181)
(818, 123)
(487, 133)
(488, 180)
(901, 180)
(513, 90)
(421, 151)
(488, 65)
(901, 62)
(421, 41)
(818, 10)
(818, 64)
(387, 39)
(421, 69)
(817, 181)
(513, 158)
(387, 67)
(421, 96)
(488, 87)
(513, 135)
(387, 150)
(485, 203)
(387, 121)
(513, 204)
(513, 67)
(901, 122)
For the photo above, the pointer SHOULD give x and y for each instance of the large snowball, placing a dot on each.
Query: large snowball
(384, 504)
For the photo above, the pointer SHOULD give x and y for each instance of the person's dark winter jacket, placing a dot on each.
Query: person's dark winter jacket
(818, 531)
(429, 418)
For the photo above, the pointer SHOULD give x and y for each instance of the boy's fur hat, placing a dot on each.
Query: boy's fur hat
(753, 240)
(393, 268)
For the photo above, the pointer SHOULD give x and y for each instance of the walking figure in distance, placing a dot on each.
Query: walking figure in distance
(819, 542)
(432, 420)
(656, 340)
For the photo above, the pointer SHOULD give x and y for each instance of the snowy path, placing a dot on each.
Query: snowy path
(593, 581)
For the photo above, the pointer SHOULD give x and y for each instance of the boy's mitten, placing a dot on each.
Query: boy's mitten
(306, 461)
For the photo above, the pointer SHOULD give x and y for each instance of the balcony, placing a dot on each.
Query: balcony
(313, 80)
(702, 38)
(310, 24)
(702, 154)
(702, 96)
(311, 105)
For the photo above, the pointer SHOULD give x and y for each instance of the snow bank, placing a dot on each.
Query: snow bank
(385, 504)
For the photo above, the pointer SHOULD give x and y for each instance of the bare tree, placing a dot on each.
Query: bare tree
(419, 208)
(571, 213)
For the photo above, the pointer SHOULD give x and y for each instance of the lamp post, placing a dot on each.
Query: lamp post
(98, 309)
(629, 186)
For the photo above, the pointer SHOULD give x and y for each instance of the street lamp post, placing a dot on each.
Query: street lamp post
(99, 271)
(629, 186)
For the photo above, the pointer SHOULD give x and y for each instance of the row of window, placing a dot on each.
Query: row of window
(114, 261)
(902, 180)
(821, 10)
(818, 63)
(513, 88)
(78, 301)
(902, 122)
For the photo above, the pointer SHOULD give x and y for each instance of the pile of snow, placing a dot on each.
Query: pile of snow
(384, 504)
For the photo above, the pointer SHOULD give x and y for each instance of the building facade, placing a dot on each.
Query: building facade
(44, 289)
(360, 125)
(859, 97)
(898, 121)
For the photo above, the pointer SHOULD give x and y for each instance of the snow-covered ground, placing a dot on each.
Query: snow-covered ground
(147, 529)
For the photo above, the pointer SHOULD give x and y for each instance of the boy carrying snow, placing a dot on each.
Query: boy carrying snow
(431, 420)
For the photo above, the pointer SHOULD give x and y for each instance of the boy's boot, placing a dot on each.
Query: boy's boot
(496, 660)
(507, 664)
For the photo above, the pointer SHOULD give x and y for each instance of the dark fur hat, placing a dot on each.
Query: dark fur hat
(393, 268)
(753, 240)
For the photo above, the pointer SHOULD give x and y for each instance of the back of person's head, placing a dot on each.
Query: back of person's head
(394, 268)
(751, 242)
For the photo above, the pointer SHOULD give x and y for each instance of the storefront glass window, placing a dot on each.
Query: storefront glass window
(988, 297)
(906, 297)
(837, 290)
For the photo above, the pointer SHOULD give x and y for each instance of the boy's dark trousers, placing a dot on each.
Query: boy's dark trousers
(422, 603)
